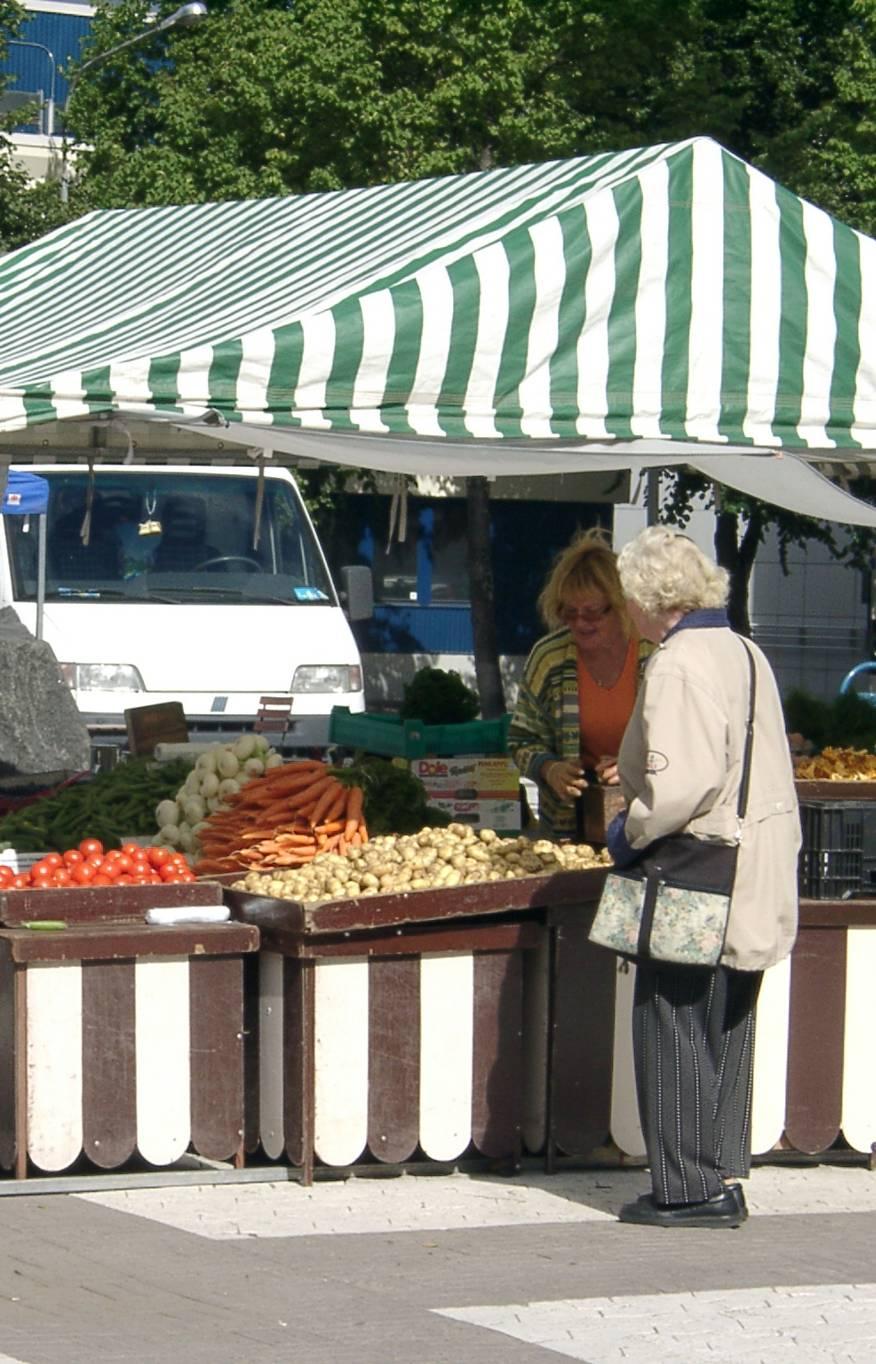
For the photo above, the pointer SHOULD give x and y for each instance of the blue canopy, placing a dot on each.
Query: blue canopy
(26, 494)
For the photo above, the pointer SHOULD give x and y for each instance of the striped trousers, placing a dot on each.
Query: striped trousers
(693, 1046)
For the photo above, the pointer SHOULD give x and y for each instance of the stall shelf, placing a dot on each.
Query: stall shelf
(119, 1039)
(813, 1067)
(401, 1027)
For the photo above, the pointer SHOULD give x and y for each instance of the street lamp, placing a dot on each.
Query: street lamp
(191, 13)
(48, 111)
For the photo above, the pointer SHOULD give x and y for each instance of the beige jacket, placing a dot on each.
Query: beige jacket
(679, 767)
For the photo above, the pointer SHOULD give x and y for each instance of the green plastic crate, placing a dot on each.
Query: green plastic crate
(392, 737)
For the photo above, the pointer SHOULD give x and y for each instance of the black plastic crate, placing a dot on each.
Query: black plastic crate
(838, 855)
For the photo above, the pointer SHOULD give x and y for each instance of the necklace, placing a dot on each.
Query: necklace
(607, 671)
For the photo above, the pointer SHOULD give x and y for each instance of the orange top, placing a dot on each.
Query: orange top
(606, 710)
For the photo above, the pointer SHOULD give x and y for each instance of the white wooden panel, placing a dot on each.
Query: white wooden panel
(271, 1008)
(54, 1064)
(858, 1123)
(626, 1130)
(446, 1042)
(340, 1104)
(163, 1058)
(536, 965)
(769, 1095)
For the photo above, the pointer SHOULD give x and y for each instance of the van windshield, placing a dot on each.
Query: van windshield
(151, 535)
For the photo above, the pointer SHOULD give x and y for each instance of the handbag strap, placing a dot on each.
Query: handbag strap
(742, 802)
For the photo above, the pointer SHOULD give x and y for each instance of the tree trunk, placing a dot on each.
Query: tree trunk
(738, 556)
(483, 601)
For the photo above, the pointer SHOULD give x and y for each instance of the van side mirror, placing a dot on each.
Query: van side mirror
(357, 591)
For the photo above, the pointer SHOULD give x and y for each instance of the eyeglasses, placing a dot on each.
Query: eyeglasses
(569, 614)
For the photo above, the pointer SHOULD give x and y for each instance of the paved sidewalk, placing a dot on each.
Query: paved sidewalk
(440, 1269)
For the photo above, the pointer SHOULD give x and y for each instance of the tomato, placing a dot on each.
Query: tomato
(41, 869)
(94, 860)
(61, 877)
(133, 849)
(54, 859)
(6, 875)
(101, 880)
(20, 881)
(123, 863)
(158, 856)
(71, 856)
(82, 875)
(124, 880)
(89, 846)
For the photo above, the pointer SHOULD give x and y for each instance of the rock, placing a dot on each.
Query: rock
(41, 729)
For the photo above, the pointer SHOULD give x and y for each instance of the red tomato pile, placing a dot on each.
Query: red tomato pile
(89, 865)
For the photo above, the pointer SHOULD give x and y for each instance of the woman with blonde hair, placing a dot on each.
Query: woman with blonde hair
(680, 767)
(579, 682)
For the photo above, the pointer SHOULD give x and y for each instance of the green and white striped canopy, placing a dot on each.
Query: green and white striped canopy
(656, 301)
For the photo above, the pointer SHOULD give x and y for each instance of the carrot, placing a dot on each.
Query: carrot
(303, 800)
(213, 866)
(325, 801)
(333, 826)
(355, 797)
(296, 764)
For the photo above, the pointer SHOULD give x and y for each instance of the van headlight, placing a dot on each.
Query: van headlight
(327, 677)
(102, 676)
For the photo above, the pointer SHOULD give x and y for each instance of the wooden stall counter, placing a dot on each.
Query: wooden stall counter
(119, 1038)
(813, 1064)
(401, 1027)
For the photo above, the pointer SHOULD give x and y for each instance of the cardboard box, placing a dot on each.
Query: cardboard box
(474, 789)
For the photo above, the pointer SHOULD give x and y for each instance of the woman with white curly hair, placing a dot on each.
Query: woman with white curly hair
(679, 766)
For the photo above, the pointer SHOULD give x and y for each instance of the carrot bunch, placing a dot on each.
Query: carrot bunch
(283, 819)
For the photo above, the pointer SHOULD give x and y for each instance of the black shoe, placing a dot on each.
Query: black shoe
(726, 1209)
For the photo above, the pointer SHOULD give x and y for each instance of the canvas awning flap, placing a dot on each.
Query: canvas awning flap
(670, 295)
(25, 494)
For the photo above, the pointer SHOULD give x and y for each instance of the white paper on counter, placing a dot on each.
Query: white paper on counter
(188, 914)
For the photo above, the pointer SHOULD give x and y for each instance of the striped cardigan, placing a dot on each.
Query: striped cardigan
(546, 723)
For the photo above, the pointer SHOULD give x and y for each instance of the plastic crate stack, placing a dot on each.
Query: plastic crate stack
(838, 855)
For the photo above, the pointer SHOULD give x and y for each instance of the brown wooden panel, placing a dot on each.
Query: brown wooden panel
(115, 942)
(250, 966)
(838, 913)
(393, 1057)
(298, 1060)
(162, 723)
(836, 790)
(456, 937)
(8, 1041)
(94, 904)
(497, 1064)
(418, 906)
(216, 1030)
(109, 1095)
(815, 1044)
(581, 1043)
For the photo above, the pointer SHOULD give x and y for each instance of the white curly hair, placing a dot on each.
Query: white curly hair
(662, 570)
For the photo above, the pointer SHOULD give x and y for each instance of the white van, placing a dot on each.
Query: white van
(185, 583)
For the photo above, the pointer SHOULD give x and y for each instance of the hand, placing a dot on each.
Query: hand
(606, 770)
(566, 780)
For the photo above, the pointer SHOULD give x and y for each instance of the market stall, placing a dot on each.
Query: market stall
(659, 306)
(402, 1026)
(120, 1038)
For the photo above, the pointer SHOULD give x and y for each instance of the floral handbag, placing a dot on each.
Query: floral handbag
(673, 903)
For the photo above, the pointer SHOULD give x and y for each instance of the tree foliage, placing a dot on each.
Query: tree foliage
(268, 97)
